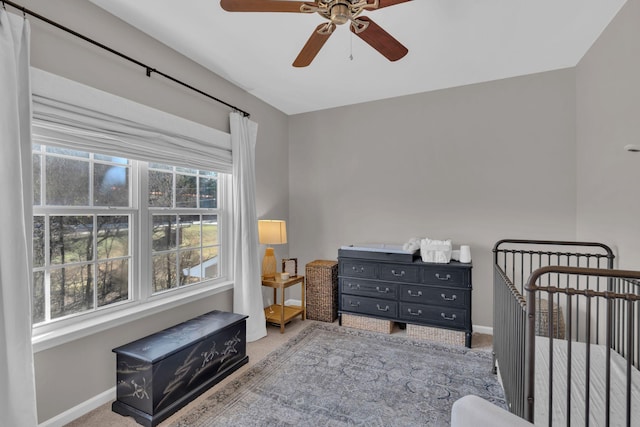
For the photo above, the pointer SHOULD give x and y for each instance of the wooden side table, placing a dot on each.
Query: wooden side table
(280, 313)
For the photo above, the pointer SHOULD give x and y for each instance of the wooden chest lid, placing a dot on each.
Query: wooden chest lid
(163, 344)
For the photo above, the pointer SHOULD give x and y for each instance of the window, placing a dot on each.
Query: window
(185, 238)
(108, 231)
(132, 210)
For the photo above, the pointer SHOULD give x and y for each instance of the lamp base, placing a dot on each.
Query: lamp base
(269, 264)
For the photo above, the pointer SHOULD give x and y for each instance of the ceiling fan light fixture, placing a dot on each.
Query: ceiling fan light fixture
(340, 14)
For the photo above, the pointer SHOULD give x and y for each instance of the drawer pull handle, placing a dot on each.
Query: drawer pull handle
(444, 316)
(351, 286)
(354, 268)
(401, 274)
(357, 304)
(411, 294)
(447, 277)
(419, 313)
(446, 298)
(382, 291)
(382, 309)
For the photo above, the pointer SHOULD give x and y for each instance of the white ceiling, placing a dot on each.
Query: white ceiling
(451, 43)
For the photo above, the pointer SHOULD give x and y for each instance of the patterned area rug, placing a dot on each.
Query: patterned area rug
(334, 376)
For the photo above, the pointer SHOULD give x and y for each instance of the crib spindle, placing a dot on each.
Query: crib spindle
(587, 381)
(630, 334)
(569, 356)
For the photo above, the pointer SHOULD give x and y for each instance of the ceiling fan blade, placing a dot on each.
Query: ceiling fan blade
(380, 40)
(264, 5)
(314, 44)
(386, 3)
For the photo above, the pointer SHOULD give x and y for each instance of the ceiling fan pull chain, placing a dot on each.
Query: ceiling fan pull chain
(350, 45)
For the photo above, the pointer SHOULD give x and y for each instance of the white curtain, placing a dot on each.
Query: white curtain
(247, 291)
(17, 382)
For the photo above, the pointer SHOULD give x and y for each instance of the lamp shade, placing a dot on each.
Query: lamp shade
(272, 232)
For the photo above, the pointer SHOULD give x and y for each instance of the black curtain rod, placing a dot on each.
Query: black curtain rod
(148, 69)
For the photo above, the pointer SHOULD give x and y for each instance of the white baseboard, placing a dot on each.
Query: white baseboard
(483, 329)
(79, 410)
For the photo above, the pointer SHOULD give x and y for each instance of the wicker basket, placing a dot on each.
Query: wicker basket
(367, 323)
(446, 336)
(322, 290)
(542, 320)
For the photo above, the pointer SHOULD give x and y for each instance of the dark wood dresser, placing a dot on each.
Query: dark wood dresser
(404, 289)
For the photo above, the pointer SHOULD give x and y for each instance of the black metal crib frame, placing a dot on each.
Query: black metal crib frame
(537, 280)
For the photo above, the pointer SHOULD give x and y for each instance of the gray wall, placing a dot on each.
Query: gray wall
(474, 164)
(608, 118)
(69, 374)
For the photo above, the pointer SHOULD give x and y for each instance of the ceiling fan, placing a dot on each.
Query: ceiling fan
(338, 12)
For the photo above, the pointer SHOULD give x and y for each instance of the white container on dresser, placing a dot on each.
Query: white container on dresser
(402, 288)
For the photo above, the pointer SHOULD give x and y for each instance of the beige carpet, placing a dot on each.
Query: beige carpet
(104, 417)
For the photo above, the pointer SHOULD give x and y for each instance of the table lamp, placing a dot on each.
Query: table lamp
(271, 232)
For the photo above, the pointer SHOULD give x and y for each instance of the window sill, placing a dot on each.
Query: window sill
(47, 340)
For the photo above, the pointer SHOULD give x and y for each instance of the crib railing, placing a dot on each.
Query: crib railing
(514, 261)
(509, 327)
(519, 258)
(614, 310)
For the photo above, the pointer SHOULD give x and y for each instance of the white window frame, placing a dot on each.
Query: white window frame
(143, 302)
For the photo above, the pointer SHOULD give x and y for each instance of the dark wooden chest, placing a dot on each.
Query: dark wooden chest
(160, 373)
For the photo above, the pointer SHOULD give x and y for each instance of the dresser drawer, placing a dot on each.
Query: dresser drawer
(358, 269)
(443, 276)
(440, 296)
(399, 273)
(372, 306)
(368, 288)
(434, 315)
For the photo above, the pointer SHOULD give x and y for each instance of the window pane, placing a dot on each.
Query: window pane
(112, 159)
(37, 170)
(209, 230)
(38, 241)
(189, 231)
(210, 262)
(160, 189)
(113, 236)
(186, 191)
(38, 306)
(68, 152)
(110, 185)
(164, 272)
(71, 290)
(190, 267)
(208, 192)
(113, 281)
(186, 170)
(67, 182)
(164, 232)
(160, 166)
(71, 239)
